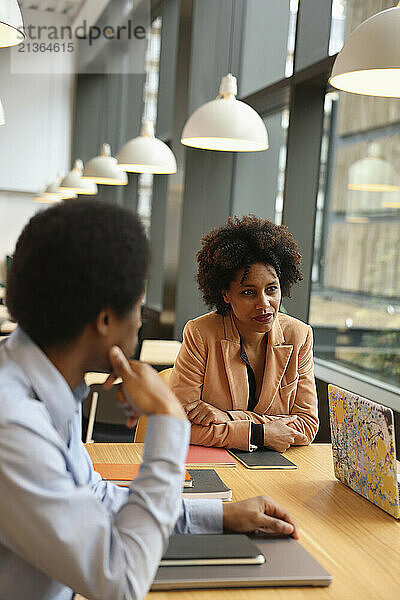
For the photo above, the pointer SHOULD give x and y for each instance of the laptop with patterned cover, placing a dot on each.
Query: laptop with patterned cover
(363, 448)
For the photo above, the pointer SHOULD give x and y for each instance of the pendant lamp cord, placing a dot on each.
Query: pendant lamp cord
(231, 36)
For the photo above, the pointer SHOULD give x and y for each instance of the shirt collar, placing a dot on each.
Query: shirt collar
(47, 382)
(243, 354)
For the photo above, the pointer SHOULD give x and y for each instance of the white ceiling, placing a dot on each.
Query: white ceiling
(65, 7)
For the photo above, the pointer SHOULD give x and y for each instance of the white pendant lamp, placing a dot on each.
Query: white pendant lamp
(2, 115)
(369, 62)
(104, 169)
(226, 123)
(373, 173)
(53, 191)
(11, 24)
(73, 181)
(147, 154)
(53, 194)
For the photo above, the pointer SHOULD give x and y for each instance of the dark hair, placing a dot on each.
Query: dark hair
(237, 245)
(71, 262)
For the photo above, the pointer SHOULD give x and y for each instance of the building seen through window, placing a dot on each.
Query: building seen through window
(355, 300)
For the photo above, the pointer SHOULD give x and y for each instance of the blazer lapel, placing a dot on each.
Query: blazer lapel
(276, 360)
(235, 368)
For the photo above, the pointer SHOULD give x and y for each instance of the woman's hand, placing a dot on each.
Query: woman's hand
(201, 413)
(279, 436)
(142, 391)
(258, 514)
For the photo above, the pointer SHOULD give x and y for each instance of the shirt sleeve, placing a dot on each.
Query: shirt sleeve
(61, 527)
(196, 516)
(200, 516)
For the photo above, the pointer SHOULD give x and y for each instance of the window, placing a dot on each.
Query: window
(150, 96)
(355, 299)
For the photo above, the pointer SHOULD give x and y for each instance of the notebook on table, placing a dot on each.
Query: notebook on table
(203, 456)
(207, 484)
(123, 473)
(211, 549)
(263, 458)
(286, 564)
(363, 448)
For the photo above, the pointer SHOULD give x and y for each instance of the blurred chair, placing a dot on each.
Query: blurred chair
(161, 354)
(7, 327)
(102, 418)
(140, 432)
(4, 314)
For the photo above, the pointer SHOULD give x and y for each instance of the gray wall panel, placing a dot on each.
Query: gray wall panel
(207, 205)
(256, 175)
(264, 46)
(208, 176)
(168, 59)
(210, 49)
(301, 188)
(313, 31)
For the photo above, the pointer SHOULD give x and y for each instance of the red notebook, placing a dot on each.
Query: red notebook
(122, 474)
(203, 456)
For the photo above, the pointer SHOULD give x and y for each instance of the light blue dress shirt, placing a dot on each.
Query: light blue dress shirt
(63, 529)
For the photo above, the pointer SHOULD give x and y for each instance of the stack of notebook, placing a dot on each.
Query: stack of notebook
(202, 456)
(122, 474)
(198, 483)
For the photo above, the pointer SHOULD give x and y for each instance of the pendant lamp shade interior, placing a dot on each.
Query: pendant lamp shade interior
(46, 200)
(11, 24)
(147, 154)
(369, 62)
(373, 173)
(104, 169)
(73, 181)
(226, 123)
(2, 115)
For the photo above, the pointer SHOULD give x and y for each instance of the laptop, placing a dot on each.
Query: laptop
(286, 564)
(363, 448)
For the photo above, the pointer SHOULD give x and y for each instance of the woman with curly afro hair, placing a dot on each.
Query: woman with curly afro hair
(245, 372)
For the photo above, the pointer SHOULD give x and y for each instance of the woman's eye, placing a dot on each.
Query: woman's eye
(272, 289)
(247, 292)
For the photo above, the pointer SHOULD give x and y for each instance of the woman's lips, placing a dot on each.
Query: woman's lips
(264, 318)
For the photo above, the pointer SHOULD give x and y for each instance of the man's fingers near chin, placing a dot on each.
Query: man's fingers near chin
(120, 363)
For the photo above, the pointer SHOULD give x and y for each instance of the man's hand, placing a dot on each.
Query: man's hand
(279, 436)
(201, 413)
(142, 391)
(258, 514)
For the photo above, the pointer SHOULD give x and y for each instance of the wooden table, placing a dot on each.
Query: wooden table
(355, 541)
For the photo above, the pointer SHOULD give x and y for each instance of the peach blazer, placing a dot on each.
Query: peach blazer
(209, 369)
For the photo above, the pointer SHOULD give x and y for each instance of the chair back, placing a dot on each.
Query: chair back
(141, 427)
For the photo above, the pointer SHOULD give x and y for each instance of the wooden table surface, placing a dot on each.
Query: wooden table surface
(355, 541)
